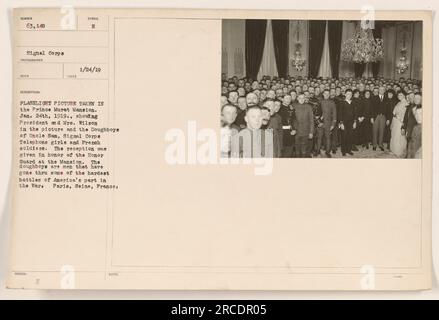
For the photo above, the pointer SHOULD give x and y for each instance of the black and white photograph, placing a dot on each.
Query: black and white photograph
(321, 89)
(313, 178)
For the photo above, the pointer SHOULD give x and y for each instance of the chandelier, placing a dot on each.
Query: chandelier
(362, 47)
(402, 64)
(297, 61)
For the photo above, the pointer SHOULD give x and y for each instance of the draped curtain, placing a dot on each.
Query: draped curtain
(316, 42)
(254, 45)
(233, 43)
(368, 70)
(268, 64)
(389, 43)
(346, 69)
(377, 33)
(267, 47)
(359, 69)
(416, 63)
(335, 30)
(280, 41)
(325, 63)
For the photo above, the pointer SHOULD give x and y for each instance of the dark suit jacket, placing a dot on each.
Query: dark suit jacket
(240, 121)
(366, 105)
(358, 107)
(287, 115)
(329, 112)
(347, 112)
(390, 106)
(409, 120)
(303, 121)
(379, 106)
(338, 104)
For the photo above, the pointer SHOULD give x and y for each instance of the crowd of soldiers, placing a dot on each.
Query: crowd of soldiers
(307, 116)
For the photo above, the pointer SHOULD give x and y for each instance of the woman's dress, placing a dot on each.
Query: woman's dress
(398, 140)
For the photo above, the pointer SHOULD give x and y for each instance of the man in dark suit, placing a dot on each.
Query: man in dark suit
(329, 119)
(347, 123)
(364, 126)
(336, 137)
(318, 124)
(378, 119)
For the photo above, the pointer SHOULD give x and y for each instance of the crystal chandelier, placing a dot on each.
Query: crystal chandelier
(362, 47)
(297, 61)
(402, 64)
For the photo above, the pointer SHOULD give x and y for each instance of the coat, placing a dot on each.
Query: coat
(347, 112)
(303, 121)
(329, 113)
(379, 107)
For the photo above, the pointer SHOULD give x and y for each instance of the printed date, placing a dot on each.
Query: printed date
(90, 69)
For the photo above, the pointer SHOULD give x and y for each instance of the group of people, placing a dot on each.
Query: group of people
(300, 117)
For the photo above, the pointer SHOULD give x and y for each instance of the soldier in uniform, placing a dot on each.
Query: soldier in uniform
(303, 127)
(336, 134)
(318, 123)
(357, 105)
(286, 113)
(328, 122)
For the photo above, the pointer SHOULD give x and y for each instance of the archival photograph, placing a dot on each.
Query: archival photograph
(115, 182)
(321, 89)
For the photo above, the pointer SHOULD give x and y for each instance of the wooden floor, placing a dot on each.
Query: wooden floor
(363, 154)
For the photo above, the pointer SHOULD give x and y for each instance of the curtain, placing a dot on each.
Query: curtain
(416, 63)
(224, 62)
(325, 62)
(346, 69)
(254, 45)
(368, 71)
(389, 43)
(316, 42)
(268, 64)
(280, 41)
(359, 69)
(335, 30)
(377, 33)
(233, 43)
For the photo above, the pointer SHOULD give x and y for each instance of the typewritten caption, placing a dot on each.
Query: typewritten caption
(63, 145)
